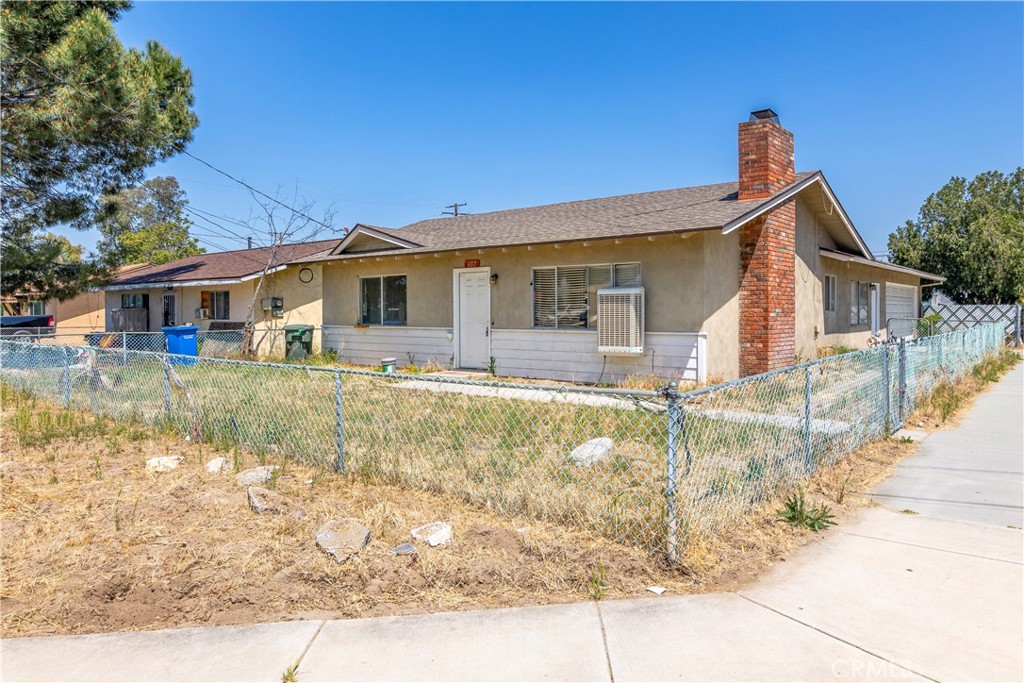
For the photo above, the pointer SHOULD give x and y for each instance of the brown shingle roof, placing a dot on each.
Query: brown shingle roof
(646, 213)
(224, 265)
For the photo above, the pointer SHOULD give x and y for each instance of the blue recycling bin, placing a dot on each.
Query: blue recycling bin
(182, 341)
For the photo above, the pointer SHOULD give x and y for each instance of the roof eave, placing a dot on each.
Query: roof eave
(212, 282)
(852, 258)
(360, 229)
(790, 192)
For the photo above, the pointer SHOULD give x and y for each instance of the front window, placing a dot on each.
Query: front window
(217, 303)
(36, 308)
(860, 295)
(566, 296)
(220, 305)
(134, 301)
(382, 300)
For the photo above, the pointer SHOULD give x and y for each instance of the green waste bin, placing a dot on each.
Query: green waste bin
(298, 340)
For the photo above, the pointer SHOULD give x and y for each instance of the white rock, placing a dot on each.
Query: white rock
(434, 534)
(164, 463)
(657, 590)
(217, 465)
(592, 451)
(256, 476)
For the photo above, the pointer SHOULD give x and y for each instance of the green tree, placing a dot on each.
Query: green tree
(82, 116)
(146, 224)
(972, 232)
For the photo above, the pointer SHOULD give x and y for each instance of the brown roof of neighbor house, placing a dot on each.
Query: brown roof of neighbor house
(646, 213)
(223, 265)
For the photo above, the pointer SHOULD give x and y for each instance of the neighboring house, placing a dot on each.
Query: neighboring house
(719, 280)
(215, 291)
(82, 313)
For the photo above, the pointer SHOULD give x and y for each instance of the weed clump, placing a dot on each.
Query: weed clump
(796, 512)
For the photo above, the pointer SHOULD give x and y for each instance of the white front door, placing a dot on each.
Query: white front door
(474, 319)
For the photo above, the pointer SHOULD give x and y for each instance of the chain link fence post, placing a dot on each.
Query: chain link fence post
(808, 447)
(339, 432)
(886, 391)
(902, 376)
(66, 377)
(675, 418)
(167, 388)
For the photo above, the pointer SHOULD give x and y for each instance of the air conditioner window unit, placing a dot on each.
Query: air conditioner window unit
(202, 313)
(620, 321)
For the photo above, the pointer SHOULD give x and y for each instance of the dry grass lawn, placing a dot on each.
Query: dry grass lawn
(92, 542)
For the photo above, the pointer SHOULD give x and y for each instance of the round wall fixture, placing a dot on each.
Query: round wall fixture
(306, 275)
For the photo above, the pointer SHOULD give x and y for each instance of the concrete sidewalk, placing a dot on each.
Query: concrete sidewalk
(889, 596)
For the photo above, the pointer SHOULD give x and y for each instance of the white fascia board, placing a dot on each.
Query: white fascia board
(789, 194)
(370, 232)
(770, 204)
(173, 284)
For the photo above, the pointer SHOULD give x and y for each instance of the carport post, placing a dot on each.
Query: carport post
(339, 433)
(674, 413)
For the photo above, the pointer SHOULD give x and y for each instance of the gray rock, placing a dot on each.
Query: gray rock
(404, 549)
(164, 463)
(256, 476)
(592, 451)
(434, 534)
(217, 465)
(342, 538)
(264, 502)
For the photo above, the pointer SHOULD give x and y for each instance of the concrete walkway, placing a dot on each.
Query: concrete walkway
(890, 596)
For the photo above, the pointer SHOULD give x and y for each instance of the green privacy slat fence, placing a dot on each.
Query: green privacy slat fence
(681, 465)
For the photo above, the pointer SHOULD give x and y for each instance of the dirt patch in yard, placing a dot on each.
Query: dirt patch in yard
(92, 542)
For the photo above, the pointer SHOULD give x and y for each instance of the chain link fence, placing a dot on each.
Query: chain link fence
(679, 466)
(211, 343)
(909, 328)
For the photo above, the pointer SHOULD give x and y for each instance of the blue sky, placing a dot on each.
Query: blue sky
(391, 111)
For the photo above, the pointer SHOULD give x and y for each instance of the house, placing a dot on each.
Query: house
(215, 291)
(85, 312)
(723, 280)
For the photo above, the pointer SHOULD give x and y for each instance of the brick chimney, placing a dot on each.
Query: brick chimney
(766, 156)
(767, 297)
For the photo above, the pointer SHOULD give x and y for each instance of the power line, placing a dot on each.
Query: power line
(254, 190)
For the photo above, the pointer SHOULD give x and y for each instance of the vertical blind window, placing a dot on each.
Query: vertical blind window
(382, 300)
(566, 296)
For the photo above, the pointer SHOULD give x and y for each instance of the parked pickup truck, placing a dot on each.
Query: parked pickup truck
(25, 325)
